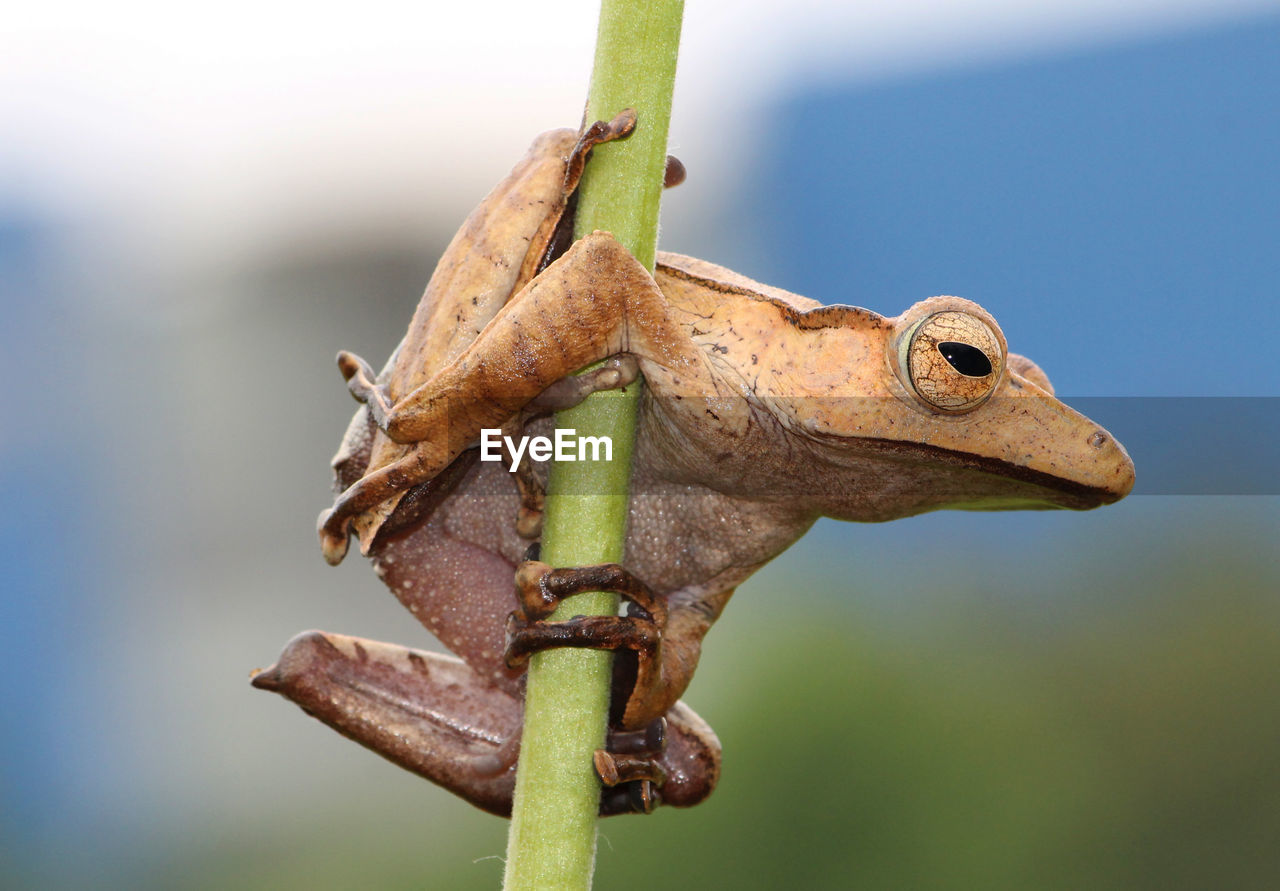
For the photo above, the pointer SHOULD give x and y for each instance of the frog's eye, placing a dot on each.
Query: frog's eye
(952, 359)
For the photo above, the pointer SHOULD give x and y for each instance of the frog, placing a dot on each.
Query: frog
(761, 411)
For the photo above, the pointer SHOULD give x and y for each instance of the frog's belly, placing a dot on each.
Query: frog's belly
(679, 536)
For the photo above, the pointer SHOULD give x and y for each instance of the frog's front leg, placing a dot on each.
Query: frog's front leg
(433, 715)
(576, 312)
(611, 374)
(594, 302)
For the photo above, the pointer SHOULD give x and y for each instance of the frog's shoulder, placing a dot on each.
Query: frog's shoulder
(694, 279)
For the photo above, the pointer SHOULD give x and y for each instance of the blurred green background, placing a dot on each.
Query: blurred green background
(196, 214)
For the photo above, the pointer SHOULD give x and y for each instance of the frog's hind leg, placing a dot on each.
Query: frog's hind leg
(428, 713)
(431, 714)
(583, 308)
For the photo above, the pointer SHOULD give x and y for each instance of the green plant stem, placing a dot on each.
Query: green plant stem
(552, 840)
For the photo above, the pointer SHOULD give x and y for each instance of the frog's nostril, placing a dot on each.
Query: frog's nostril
(1098, 439)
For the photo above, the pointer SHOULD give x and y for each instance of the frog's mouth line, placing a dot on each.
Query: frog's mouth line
(1071, 494)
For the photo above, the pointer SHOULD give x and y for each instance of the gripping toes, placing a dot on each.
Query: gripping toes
(630, 769)
(612, 374)
(590, 632)
(638, 680)
(539, 589)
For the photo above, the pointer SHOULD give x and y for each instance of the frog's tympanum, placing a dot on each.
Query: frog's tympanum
(762, 411)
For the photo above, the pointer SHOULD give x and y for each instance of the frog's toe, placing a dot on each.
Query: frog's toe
(363, 385)
(524, 638)
(639, 797)
(352, 365)
(614, 769)
(539, 589)
(333, 544)
(529, 521)
(630, 769)
(613, 373)
(672, 762)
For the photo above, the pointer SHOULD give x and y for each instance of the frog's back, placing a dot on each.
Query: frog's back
(759, 340)
(699, 286)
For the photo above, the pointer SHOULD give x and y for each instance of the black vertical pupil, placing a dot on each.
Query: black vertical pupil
(966, 359)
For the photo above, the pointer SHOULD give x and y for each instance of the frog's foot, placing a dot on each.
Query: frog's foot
(433, 715)
(428, 713)
(641, 693)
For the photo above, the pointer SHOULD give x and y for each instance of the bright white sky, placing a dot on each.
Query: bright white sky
(251, 105)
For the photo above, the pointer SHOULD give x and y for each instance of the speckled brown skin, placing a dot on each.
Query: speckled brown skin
(428, 713)
(763, 411)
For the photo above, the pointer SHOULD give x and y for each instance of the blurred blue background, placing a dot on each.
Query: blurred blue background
(191, 224)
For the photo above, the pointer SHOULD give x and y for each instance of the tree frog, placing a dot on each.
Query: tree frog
(762, 411)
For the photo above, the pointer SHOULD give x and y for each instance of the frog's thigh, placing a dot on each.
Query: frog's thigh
(577, 311)
(426, 712)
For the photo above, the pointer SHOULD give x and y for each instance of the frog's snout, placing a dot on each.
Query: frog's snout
(1120, 480)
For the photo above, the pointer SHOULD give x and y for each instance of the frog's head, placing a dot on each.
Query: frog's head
(957, 421)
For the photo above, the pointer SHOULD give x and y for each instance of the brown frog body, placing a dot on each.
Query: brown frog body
(762, 411)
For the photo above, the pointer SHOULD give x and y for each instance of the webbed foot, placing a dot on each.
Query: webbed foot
(433, 715)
